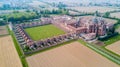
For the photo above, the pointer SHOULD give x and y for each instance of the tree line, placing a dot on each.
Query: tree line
(19, 17)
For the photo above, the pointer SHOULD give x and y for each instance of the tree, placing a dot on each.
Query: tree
(2, 22)
(97, 13)
(28, 10)
(26, 48)
(118, 22)
(107, 14)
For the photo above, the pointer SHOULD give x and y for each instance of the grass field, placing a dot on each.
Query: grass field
(42, 32)
(115, 47)
(69, 55)
(8, 53)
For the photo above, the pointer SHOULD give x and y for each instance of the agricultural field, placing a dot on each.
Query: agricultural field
(43, 32)
(116, 15)
(3, 30)
(41, 5)
(115, 47)
(93, 9)
(37, 4)
(51, 8)
(69, 55)
(8, 53)
(106, 19)
(73, 13)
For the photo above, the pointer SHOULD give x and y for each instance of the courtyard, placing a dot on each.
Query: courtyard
(43, 32)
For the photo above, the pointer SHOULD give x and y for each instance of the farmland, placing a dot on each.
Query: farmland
(106, 19)
(8, 54)
(3, 30)
(41, 5)
(115, 47)
(93, 9)
(73, 12)
(37, 4)
(42, 32)
(69, 55)
(116, 15)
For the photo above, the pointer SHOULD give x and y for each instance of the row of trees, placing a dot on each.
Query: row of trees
(17, 16)
(107, 14)
(47, 13)
(57, 11)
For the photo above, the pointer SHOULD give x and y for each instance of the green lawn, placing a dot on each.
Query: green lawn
(42, 32)
(112, 40)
